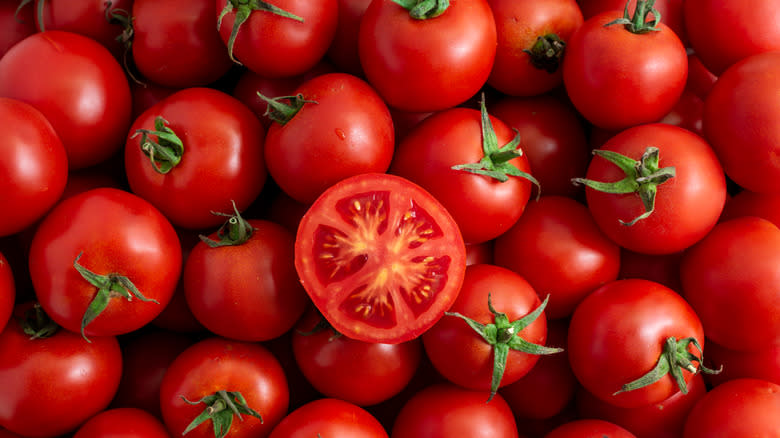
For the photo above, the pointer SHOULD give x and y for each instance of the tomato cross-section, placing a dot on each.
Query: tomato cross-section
(380, 257)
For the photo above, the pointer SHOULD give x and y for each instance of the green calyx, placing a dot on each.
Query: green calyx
(37, 324)
(638, 23)
(166, 152)
(674, 358)
(496, 160)
(642, 177)
(281, 112)
(235, 231)
(122, 18)
(502, 334)
(109, 286)
(220, 409)
(243, 9)
(547, 52)
(424, 9)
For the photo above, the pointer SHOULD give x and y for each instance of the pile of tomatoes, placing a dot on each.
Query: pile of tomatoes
(389, 218)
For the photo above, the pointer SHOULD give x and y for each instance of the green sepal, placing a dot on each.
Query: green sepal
(220, 409)
(424, 9)
(281, 112)
(638, 24)
(547, 52)
(234, 231)
(37, 324)
(109, 286)
(244, 9)
(166, 152)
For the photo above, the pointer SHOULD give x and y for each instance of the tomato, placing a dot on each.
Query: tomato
(739, 103)
(700, 80)
(741, 407)
(557, 247)
(623, 331)
(328, 417)
(217, 146)
(104, 262)
(147, 94)
(671, 12)
(659, 216)
(760, 364)
(240, 281)
(428, 63)
(340, 127)
(198, 384)
(532, 40)
(343, 50)
(362, 373)
(33, 163)
(737, 313)
(380, 258)
(17, 24)
(447, 410)
(54, 382)
(178, 45)
(77, 85)
(7, 291)
(284, 41)
(748, 203)
(660, 268)
(589, 428)
(460, 156)
(124, 422)
(636, 77)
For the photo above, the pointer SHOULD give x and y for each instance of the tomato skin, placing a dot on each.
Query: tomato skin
(671, 12)
(222, 159)
(15, 30)
(589, 428)
(427, 65)
(343, 50)
(215, 364)
(7, 291)
(124, 422)
(349, 128)
(329, 417)
(92, 116)
(116, 232)
(51, 385)
(737, 314)
(761, 364)
(635, 79)
(33, 163)
(616, 335)
(741, 407)
(748, 203)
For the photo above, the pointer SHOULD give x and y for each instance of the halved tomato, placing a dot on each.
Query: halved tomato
(380, 257)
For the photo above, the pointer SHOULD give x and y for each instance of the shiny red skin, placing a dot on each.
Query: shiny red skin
(761, 364)
(123, 423)
(52, 385)
(671, 12)
(616, 334)
(635, 79)
(33, 163)
(430, 65)
(589, 428)
(116, 232)
(275, 46)
(77, 85)
(329, 417)
(7, 291)
(15, 30)
(222, 159)
(215, 364)
(687, 113)
(558, 248)
(747, 203)
(700, 80)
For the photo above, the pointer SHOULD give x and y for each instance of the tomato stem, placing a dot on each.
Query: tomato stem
(424, 9)
(37, 323)
(234, 231)
(281, 112)
(220, 409)
(166, 152)
(547, 52)
(639, 24)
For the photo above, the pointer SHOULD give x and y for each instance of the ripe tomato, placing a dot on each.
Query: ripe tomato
(329, 417)
(427, 64)
(124, 422)
(104, 262)
(380, 258)
(196, 388)
(636, 77)
(53, 382)
(77, 85)
(363, 373)
(589, 428)
(671, 12)
(7, 291)
(218, 152)
(33, 163)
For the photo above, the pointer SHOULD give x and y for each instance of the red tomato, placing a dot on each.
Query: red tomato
(54, 382)
(124, 422)
(17, 24)
(207, 374)
(445, 410)
(671, 11)
(343, 128)
(684, 208)
(33, 163)
(636, 77)
(218, 145)
(760, 364)
(250, 85)
(557, 247)
(277, 44)
(687, 113)
(589, 428)
(741, 407)
(622, 330)
(329, 417)
(700, 80)
(343, 50)
(740, 102)
(104, 262)
(427, 64)
(147, 94)
(77, 85)
(748, 203)
(737, 313)
(380, 257)
(532, 38)
(7, 291)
